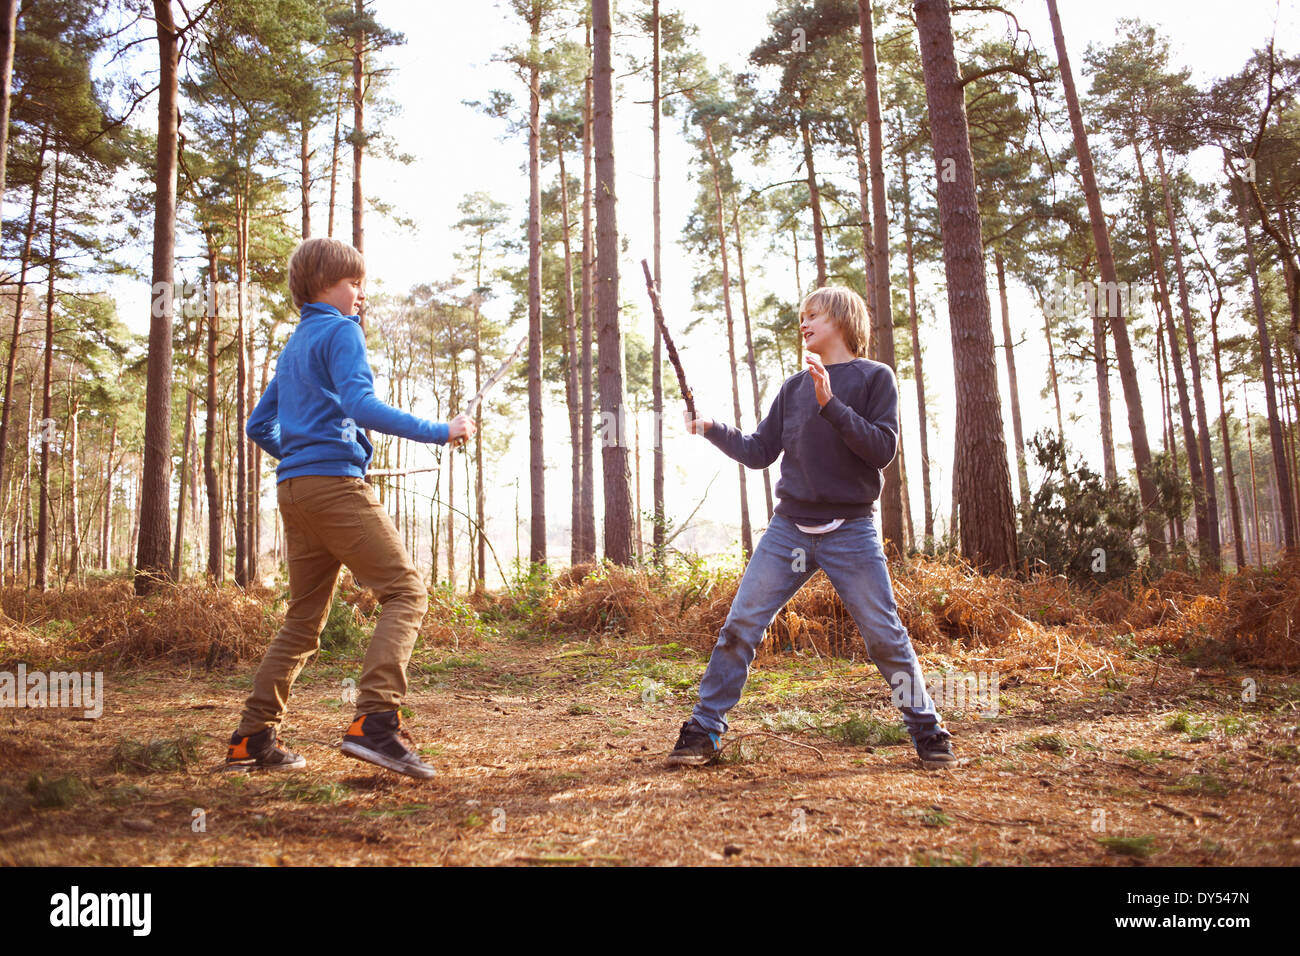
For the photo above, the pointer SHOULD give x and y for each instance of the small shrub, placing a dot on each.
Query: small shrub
(58, 792)
(159, 755)
(1142, 846)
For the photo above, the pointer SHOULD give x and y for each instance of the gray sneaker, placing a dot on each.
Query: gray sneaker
(378, 739)
(695, 746)
(935, 750)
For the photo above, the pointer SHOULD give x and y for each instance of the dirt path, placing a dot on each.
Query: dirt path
(552, 754)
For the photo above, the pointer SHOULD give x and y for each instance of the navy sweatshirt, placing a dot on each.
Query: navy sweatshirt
(834, 455)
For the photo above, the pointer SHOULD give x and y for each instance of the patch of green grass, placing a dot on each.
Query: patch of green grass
(445, 663)
(1201, 783)
(158, 755)
(404, 810)
(793, 720)
(926, 858)
(737, 752)
(304, 791)
(128, 793)
(1140, 846)
(856, 729)
(1231, 725)
(58, 792)
(1052, 743)
(1194, 727)
(1147, 756)
(868, 731)
(563, 779)
(1287, 752)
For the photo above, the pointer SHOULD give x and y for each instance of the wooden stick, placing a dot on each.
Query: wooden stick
(472, 408)
(668, 341)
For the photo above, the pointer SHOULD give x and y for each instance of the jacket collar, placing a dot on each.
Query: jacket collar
(314, 309)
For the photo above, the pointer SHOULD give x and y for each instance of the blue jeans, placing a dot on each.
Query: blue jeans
(784, 560)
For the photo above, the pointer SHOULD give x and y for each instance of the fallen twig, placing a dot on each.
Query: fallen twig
(763, 733)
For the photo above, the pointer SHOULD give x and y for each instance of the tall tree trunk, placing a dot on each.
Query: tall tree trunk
(1176, 361)
(185, 451)
(656, 372)
(216, 548)
(746, 532)
(358, 141)
(1270, 393)
(618, 498)
(891, 496)
(750, 358)
(1051, 368)
(1169, 437)
(8, 33)
(154, 554)
(241, 397)
(986, 515)
(47, 407)
(572, 400)
(536, 451)
(814, 199)
(1229, 475)
(255, 468)
(1208, 545)
(588, 536)
(304, 158)
(868, 249)
(12, 361)
(1102, 366)
(1118, 323)
(74, 485)
(917, 359)
(1014, 384)
(334, 158)
(106, 532)
(479, 506)
(453, 401)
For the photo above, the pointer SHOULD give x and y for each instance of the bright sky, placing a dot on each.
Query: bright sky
(448, 58)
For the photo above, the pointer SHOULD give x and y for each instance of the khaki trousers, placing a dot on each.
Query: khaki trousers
(330, 521)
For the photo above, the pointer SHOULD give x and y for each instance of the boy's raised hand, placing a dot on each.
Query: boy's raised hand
(697, 427)
(821, 379)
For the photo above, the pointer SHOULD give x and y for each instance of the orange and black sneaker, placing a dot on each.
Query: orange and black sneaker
(260, 751)
(378, 739)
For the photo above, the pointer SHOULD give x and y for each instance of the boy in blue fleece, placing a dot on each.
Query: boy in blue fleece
(312, 418)
(837, 423)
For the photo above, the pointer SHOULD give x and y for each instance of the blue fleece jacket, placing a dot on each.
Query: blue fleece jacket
(322, 396)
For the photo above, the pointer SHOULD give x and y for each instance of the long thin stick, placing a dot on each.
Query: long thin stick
(472, 408)
(668, 341)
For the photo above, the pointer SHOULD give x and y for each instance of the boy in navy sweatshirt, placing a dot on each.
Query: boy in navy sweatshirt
(312, 418)
(837, 423)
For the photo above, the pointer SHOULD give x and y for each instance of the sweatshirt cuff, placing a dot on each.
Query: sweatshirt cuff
(834, 412)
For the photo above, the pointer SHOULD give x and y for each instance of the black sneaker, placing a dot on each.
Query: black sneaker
(260, 751)
(935, 750)
(377, 738)
(695, 746)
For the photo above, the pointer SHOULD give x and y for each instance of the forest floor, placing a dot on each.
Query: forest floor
(550, 751)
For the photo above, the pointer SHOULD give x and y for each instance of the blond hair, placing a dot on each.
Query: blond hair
(318, 264)
(847, 312)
